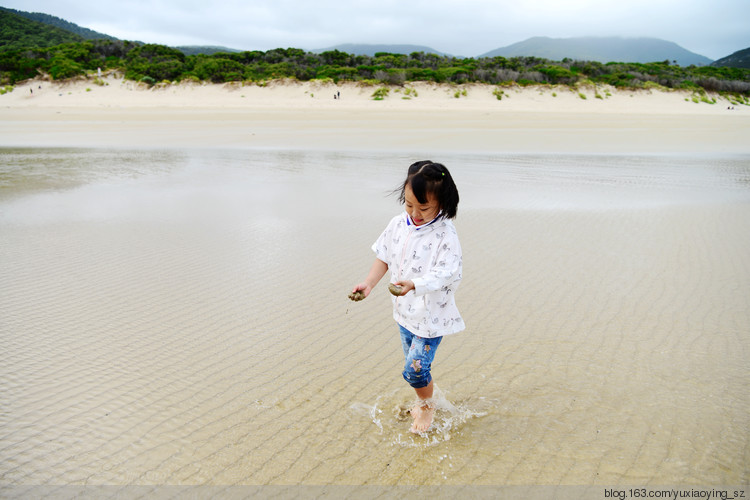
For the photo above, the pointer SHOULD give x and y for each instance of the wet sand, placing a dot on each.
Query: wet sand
(184, 321)
(425, 130)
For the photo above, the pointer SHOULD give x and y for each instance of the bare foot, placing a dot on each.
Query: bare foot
(422, 415)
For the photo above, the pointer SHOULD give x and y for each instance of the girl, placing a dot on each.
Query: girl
(421, 249)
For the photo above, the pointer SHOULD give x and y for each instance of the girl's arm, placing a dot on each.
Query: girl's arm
(377, 271)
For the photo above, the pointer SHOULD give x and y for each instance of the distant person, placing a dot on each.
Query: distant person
(421, 249)
(338, 93)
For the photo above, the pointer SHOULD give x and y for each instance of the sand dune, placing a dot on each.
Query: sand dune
(288, 114)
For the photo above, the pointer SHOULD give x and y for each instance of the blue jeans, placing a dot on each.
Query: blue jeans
(419, 353)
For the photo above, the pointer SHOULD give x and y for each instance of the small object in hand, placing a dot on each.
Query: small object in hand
(394, 289)
(357, 296)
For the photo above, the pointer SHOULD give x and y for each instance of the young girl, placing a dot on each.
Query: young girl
(421, 249)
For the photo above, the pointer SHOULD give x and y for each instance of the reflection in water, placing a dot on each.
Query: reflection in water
(28, 170)
(180, 317)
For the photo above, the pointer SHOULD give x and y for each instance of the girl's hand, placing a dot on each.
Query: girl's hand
(362, 287)
(406, 286)
(377, 271)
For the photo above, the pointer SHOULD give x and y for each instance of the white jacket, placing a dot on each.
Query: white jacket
(430, 256)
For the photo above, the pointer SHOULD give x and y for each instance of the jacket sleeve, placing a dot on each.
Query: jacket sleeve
(381, 247)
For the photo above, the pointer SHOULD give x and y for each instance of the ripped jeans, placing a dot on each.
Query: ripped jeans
(419, 353)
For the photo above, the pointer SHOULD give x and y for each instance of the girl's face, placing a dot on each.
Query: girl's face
(420, 213)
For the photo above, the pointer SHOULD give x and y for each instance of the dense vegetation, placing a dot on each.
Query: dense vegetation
(17, 32)
(740, 59)
(47, 19)
(154, 63)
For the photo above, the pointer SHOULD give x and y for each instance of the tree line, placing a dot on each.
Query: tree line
(152, 63)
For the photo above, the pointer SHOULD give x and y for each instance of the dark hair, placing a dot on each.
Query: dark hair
(425, 177)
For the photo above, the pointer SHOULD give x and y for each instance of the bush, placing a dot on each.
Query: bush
(557, 74)
(618, 79)
(653, 86)
(381, 76)
(411, 92)
(61, 68)
(155, 61)
(219, 70)
(380, 93)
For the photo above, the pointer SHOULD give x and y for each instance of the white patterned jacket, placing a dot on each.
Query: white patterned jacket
(430, 256)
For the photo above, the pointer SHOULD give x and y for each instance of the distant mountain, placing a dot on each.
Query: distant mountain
(602, 49)
(362, 49)
(19, 32)
(192, 50)
(85, 33)
(740, 59)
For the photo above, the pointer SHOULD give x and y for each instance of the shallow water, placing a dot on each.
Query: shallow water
(180, 317)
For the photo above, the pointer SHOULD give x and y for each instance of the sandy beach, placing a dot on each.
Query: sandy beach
(175, 263)
(306, 116)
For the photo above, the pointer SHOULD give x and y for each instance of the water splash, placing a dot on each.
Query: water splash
(373, 412)
(449, 418)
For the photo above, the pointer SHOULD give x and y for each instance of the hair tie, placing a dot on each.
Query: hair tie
(442, 173)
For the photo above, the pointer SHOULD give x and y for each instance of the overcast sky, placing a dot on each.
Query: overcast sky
(712, 28)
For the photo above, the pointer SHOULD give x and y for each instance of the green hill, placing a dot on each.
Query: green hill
(18, 32)
(740, 59)
(602, 49)
(63, 24)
